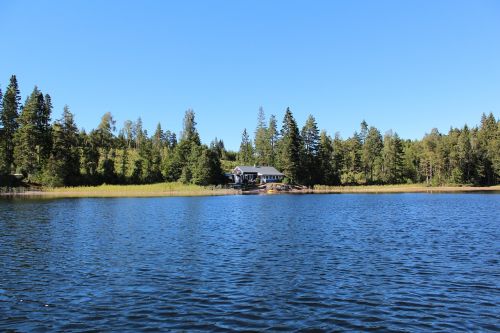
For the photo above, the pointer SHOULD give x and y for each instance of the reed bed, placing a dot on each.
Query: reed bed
(188, 190)
(149, 190)
(401, 188)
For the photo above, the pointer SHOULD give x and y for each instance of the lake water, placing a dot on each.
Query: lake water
(383, 262)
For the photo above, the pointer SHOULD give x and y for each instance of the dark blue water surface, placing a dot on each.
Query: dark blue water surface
(395, 262)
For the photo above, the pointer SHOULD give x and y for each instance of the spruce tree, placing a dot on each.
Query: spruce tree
(63, 165)
(27, 138)
(310, 173)
(90, 155)
(189, 132)
(124, 165)
(411, 161)
(262, 145)
(352, 168)
(272, 138)
(105, 142)
(431, 164)
(72, 156)
(178, 167)
(465, 155)
(217, 146)
(363, 132)
(372, 152)
(246, 153)
(158, 138)
(171, 139)
(3, 164)
(489, 156)
(392, 167)
(289, 148)
(339, 156)
(138, 132)
(128, 133)
(44, 127)
(326, 163)
(104, 133)
(200, 168)
(9, 114)
(157, 145)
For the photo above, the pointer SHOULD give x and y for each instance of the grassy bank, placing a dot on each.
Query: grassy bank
(149, 190)
(402, 188)
(179, 189)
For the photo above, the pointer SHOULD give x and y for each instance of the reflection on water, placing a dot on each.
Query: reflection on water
(396, 262)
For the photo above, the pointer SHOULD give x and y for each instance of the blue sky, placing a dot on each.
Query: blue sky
(402, 65)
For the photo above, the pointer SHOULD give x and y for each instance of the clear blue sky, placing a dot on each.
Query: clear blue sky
(402, 65)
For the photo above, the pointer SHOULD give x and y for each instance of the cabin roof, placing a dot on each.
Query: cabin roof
(261, 170)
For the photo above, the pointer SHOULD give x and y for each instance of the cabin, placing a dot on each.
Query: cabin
(249, 174)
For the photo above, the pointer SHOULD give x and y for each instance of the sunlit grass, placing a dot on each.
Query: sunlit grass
(180, 189)
(148, 190)
(400, 188)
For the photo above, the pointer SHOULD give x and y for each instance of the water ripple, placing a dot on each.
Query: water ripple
(315, 263)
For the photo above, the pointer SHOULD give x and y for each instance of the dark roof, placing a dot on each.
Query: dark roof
(262, 170)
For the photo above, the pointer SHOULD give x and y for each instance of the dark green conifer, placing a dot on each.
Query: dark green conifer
(289, 148)
(9, 114)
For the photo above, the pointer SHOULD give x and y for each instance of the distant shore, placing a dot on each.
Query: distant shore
(181, 190)
(405, 188)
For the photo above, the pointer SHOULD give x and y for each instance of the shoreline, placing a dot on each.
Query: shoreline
(407, 189)
(166, 190)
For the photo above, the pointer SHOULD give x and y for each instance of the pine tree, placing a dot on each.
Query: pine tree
(9, 114)
(289, 148)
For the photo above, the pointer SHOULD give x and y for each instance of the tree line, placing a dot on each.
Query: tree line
(58, 153)
(309, 156)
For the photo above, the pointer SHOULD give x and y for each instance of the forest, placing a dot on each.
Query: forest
(57, 153)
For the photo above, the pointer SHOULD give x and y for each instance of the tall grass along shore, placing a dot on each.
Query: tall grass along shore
(179, 189)
(403, 188)
(149, 190)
